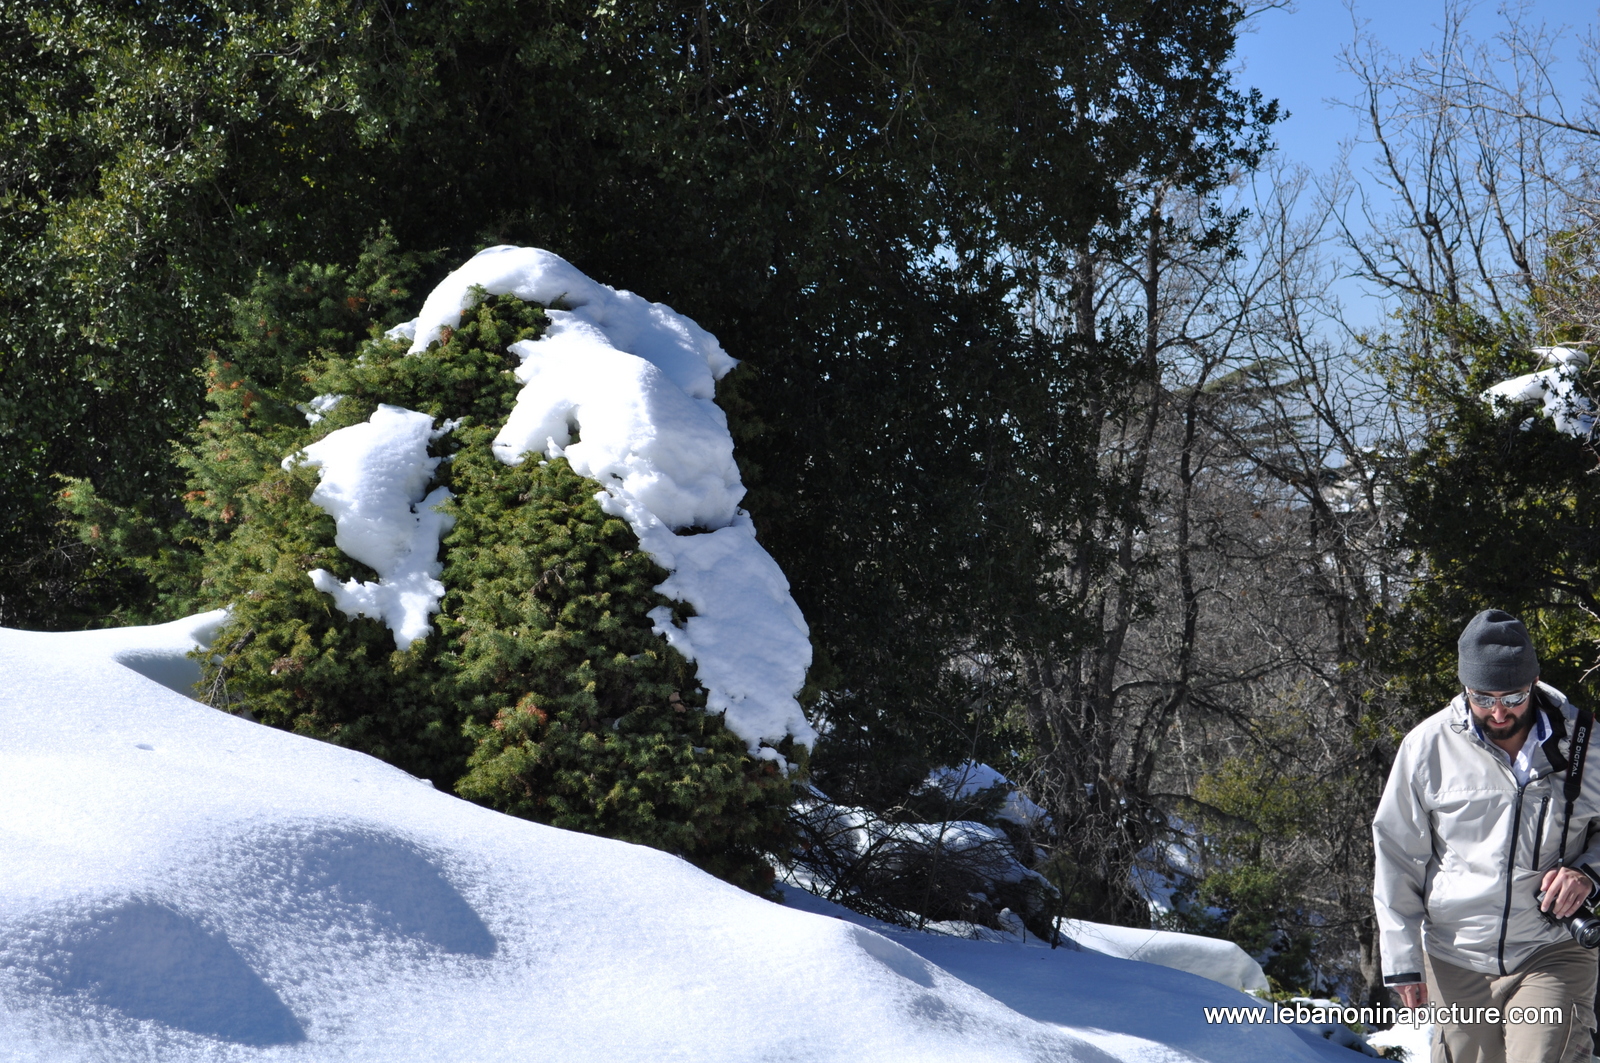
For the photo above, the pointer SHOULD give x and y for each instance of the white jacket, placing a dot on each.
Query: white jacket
(1461, 848)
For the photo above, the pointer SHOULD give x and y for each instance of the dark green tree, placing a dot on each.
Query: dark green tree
(1498, 511)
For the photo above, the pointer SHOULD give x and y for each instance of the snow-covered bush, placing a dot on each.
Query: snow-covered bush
(960, 851)
(401, 585)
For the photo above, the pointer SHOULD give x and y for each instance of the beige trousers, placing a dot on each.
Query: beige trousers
(1560, 975)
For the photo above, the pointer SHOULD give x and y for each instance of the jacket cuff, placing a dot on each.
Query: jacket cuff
(1403, 979)
(1594, 880)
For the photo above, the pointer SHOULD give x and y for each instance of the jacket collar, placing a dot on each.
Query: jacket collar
(1549, 728)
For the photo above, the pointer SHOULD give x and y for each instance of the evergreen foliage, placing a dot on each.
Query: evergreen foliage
(1498, 509)
(878, 208)
(1256, 819)
(544, 692)
(581, 715)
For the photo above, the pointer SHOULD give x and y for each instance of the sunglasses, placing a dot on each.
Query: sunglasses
(1487, 701)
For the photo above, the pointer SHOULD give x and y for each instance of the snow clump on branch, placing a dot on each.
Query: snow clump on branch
(374, 483)
(1555, 388)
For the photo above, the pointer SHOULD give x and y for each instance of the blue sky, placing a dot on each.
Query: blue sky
(1293, 56)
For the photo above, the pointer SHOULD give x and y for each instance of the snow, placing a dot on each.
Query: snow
(624, 389)
(641, 433)
(850, 834)
(971, 777)
(179, 884)
(228, 891)
(1415, 1039)
(374, 483)
(160, 653)
(687, 353)
(1129, 1009)
(1213, 958)
(1556, 389)
(862, 832)
(319, 407)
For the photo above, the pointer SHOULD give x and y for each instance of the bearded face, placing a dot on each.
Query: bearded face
(1500, 721)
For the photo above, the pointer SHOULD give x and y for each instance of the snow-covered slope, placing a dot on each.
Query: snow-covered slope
(180, 884)
(1131, 1009)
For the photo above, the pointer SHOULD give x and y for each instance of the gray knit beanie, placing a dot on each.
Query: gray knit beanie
(1495, 653)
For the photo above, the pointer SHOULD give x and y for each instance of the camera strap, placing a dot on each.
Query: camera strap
(1577, 753)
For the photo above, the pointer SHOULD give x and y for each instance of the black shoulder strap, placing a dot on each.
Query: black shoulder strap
(1558, 729)
(1577, 752)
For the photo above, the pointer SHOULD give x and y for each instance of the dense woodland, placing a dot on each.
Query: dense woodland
(1073, 463)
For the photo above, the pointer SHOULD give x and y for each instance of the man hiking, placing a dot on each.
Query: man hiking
(1487, 809)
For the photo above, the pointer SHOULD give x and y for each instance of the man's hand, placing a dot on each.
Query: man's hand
(1414, 995)
(1565, 888)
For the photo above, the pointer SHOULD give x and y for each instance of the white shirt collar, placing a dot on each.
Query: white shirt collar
(1522, 763)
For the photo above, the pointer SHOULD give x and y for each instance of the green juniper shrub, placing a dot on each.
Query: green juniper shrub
(143, 552)
(162, 543)
(322, 307)
(287, 655)
(543, 690)
(582, 716)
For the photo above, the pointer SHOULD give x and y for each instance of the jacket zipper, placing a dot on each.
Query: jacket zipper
(1538, 831)
(1511, 863)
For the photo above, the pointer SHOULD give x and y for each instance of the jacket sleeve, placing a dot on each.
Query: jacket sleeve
(1402, 839)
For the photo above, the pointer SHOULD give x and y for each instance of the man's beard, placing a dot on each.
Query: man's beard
(1517, 726)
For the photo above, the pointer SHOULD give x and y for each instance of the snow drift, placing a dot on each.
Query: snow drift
(1213, 958)
(180, 884)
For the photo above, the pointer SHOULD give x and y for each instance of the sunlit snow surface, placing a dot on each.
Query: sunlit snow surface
(1213, 958)
(623, 388)
(1131, 1010)
(178, 884)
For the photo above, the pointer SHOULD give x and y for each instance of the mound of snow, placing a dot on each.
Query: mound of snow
(1213, 958)
(1129, 1009)
(179, 884)
(159, 653)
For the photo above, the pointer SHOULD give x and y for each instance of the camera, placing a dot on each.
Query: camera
(1583, 924)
